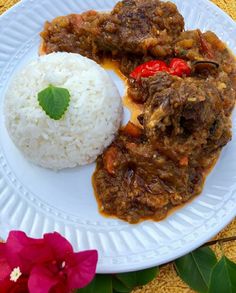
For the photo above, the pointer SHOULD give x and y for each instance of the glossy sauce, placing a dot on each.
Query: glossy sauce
(134, 108)
(111, 64)
(170, 211)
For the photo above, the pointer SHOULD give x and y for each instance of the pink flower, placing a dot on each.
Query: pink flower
(46, 265)
(6, 285)
(23, 251)
(21, 286)
(64, 270)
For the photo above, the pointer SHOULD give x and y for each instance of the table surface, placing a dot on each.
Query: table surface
(168, 281)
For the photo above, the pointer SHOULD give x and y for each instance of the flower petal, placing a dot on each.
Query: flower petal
(59, 245)
(24, 251)
(21, 286)
(5, 269)
(60, 288)
(82, 269)
(5, 286)
(41, 280)
(2, 249)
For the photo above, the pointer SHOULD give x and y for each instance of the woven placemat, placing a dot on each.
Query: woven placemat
(168, 281)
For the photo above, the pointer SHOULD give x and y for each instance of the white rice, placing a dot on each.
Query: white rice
(87, 127)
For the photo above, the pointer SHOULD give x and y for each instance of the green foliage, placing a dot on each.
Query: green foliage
(199, 269)
(223, 279)
(54, 101)
(120, 287)
(146, 276)
(196, 267)
(128, 279)
(100, 284)
(120, 283)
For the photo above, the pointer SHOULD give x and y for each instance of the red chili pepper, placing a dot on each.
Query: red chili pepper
(177, 67)
(149, 68)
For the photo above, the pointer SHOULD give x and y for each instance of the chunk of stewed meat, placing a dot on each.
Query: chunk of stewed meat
(133, 26)
(185, 116)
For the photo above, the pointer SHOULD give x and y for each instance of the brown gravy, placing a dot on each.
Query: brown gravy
(134, 108)
(170, 211)
(147, 172)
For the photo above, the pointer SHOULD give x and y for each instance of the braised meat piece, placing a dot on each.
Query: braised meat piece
(133, 181)
(139, 90)
(183, 117)
(142, 27)
(186, 117)
(74, 33)
(133, 26)
(197, 46)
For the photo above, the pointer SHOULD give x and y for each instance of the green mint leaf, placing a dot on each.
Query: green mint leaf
(223, 278)
(196, 268)
(54, 101)
(100, 284)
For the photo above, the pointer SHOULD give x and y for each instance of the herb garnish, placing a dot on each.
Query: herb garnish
(54, 101)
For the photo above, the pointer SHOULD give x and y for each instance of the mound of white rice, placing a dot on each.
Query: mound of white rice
(87, 127)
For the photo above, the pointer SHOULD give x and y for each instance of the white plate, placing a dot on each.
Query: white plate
(37, 201)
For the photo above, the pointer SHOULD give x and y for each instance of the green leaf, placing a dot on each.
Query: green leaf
(120, 283)
(223, 278)
(88, 289)
(135, 279)
(100, 284)
(54, 101)
(146, 276)
(118, 286)
(128, 279)
(196, 267)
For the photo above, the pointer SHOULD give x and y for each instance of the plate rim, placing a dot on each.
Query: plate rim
(195, 244)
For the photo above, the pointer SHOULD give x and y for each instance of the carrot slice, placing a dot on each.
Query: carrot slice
(109, 159)
(132, 130)
(183, 161)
